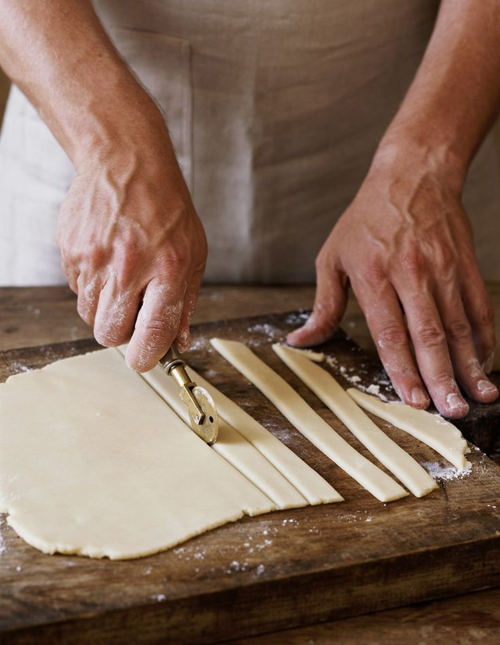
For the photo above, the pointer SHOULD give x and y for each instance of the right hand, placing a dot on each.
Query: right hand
(133, 248)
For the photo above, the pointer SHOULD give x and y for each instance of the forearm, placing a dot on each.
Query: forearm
(60, 56)
(455, 96)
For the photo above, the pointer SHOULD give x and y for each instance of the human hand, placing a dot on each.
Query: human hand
(405, 245)
(133, 248)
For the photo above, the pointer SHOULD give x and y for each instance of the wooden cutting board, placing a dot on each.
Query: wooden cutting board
(275, 571)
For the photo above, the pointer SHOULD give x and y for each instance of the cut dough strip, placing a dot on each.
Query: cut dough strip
(436, 432)
(232, 447)
(308, 422)
(305, 479)
(316, 357)
(327, 389)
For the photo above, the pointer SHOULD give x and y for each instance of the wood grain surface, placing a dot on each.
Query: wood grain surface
(273, 572)
(463, 620)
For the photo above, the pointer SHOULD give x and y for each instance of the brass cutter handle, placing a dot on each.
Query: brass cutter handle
(175, 367)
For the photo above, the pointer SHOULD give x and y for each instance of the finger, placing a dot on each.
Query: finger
(480, 314)
(156, 326)
(116, 314)
(71, 276)
(387, 327)
(88, 290)
(183, 339)
(431, 349)
(466, 365)
(329, 306)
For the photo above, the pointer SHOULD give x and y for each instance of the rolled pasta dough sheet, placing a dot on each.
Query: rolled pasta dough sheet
(93, 462)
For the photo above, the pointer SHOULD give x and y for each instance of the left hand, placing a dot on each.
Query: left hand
(405, 245)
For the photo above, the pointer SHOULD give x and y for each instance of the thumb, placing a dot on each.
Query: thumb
(329, 306)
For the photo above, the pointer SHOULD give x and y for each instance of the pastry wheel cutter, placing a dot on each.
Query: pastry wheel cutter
(200, 406)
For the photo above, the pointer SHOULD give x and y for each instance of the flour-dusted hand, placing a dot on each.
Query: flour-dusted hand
(405, 245)
(133, 247)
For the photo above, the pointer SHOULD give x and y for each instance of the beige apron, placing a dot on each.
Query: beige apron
(275, 109)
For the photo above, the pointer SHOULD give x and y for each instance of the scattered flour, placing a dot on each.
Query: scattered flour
(266, 329)
(198, 343)
(34, 310)
(355, 379)
(264, 333)
(17, 367)
(297, 318)
(447, 473)
(236, 566)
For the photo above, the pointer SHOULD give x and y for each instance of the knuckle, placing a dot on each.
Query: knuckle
(321, 263)
(458, 330)
(374, 270)
(126, 261)
(110, 336)
(486, 315)
(150, 346)
(125, 275)
(429, 334)
(91, 254)
(445, 258)
(412, 262)
(172, 263)
(444, 381)
(156, 331)
(391, 336)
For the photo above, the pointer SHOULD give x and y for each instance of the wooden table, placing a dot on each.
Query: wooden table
(35, 316)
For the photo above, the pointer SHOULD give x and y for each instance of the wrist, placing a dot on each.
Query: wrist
(406, 152)
(128, 120)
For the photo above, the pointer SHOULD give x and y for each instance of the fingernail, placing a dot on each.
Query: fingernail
(418, 396)
(455, 402)
(486, 387)
(488, 363)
